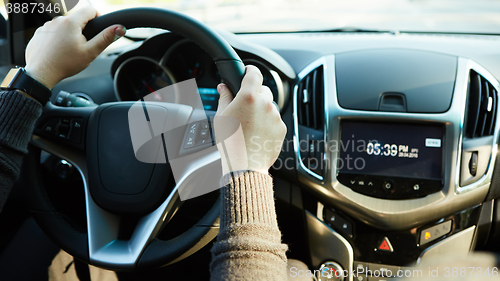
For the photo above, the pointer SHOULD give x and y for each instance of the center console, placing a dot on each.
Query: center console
(396, 148)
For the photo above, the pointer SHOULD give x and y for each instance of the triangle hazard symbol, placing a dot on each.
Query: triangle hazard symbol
(385, 245)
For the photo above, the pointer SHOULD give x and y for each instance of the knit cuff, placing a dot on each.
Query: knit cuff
(247, 198)
(18, 115)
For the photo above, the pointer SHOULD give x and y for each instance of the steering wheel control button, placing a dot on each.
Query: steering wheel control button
(193, 128)
(198, 134)
(64, 129)
(76, 130)
(189, 142)
(331, 271)
(204, 133)
(50, 127)
(432, 233)
(191, 135)
(385, 246)
(338, 222)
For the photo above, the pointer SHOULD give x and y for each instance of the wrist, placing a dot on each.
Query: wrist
(42, 77)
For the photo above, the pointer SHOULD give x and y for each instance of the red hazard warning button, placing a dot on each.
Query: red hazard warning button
(385, 246)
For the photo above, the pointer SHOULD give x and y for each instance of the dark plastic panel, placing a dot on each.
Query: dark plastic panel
(426, 79)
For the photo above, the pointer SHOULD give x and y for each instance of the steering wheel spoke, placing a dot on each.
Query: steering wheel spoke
(108, 251)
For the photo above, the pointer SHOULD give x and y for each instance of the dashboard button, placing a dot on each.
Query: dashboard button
(338, 222)
(382, 270)
(385, 246)
(435, 232)
(373, 278)
(360, 277)
(360, 267)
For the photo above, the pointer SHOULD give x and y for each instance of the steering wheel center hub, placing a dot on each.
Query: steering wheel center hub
(119, 182)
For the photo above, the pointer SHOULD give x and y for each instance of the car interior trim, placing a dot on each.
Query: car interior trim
(456, 245)
(325, 241)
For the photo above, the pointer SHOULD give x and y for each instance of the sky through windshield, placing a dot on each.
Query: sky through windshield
(467, 16)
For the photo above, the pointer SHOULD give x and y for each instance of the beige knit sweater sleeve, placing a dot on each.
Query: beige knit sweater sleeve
(249, 243)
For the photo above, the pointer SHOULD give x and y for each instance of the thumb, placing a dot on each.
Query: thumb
(102, 40)
(226, 97)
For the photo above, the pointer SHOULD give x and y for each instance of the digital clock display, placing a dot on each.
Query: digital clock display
(391, 149)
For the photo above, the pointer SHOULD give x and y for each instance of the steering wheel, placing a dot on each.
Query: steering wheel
(97, 141)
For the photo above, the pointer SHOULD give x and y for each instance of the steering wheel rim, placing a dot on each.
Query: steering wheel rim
(229, 64)
(156, 253)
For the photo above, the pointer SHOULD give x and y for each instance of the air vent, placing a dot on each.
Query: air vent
(481, 107)
(311, 120)
(310, 100)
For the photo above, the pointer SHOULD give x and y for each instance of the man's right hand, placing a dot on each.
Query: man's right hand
(257, 143)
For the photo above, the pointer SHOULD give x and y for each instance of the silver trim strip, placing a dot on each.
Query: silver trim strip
(397, 214)
(308, 69)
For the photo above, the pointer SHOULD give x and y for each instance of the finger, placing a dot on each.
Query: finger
(266, 92)
(225, 98)
(252, 81)
(83, 15)
(102, 40)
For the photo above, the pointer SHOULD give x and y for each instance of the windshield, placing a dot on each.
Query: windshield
(462, 16)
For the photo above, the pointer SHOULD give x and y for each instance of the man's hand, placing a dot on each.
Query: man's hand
(59, 50)
(257, 143)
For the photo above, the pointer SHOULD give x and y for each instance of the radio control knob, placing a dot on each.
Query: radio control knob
(330, 271)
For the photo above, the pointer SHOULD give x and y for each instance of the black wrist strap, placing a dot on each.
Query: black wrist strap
(33, 88)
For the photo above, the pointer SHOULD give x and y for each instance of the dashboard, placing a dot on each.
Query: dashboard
(392, 138)
(144, 72)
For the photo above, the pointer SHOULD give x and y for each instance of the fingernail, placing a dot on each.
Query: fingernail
(120, 32)
(220, 88)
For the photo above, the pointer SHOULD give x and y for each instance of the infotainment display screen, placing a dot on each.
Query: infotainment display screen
(391, 160)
